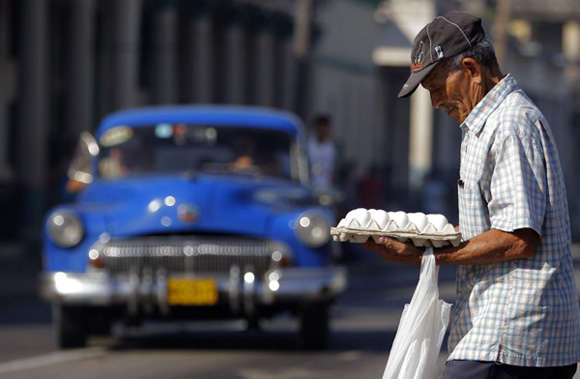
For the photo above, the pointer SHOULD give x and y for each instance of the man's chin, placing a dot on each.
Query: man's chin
(453, 115)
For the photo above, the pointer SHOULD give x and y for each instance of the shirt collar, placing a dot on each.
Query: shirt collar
(479, 115)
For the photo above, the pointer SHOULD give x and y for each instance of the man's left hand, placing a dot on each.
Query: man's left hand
(390, 249)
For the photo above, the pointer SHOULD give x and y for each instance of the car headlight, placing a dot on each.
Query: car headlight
(65, 229)
(312, 230)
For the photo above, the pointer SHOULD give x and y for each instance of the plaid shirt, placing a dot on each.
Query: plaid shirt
(523, 312)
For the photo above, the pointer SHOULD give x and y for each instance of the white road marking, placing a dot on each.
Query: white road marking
(350, 356)
(290, 373)
(51, 359)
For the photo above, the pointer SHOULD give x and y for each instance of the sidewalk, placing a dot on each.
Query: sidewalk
(18, 273)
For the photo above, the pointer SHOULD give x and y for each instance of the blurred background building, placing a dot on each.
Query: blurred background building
(64, 64)
(537, 41)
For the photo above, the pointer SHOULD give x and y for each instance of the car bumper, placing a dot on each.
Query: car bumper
(241, 290)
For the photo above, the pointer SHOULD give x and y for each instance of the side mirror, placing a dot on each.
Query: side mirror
(80, 173)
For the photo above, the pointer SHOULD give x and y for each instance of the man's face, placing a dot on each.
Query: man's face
(450, 91)
(323, 131)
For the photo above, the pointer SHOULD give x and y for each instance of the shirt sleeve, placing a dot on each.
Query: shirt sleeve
(518, 185)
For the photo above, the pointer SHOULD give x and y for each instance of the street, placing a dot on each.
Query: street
(364, 324)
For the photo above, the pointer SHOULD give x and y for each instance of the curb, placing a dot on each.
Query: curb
(18, 273)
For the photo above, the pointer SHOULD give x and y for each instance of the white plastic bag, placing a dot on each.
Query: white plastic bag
(421, 330)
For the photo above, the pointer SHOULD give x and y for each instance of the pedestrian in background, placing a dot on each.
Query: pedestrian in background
(322, 153)
(516, 312)
(369, 189)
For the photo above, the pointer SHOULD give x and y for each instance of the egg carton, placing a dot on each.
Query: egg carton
(422, 230)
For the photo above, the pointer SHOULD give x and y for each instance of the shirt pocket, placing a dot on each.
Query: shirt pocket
(473, 212)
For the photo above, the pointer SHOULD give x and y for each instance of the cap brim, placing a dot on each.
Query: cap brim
(414, 80)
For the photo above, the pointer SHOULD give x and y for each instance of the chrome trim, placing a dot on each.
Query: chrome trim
(133, 295)
(190, 255)
(249, 292)
(147, 287)
(306, 284)
(234, 283)
(98, 288)
(161, 291)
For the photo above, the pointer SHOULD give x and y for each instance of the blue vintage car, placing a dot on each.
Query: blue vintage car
(190, 212)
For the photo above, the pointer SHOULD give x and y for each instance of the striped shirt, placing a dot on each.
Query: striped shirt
(522, 312)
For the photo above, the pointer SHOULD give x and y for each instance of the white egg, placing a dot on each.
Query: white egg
(419, 219)
(362, 216)
(438, 221)
(372, 213)
(381, 217)
(391, 216)
(400, 218)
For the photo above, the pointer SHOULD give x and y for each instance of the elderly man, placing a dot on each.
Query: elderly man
(516, 313)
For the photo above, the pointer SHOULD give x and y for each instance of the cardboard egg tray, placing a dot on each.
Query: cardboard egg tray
(351, 230)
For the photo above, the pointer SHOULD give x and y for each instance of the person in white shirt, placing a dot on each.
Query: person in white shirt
(322, 154)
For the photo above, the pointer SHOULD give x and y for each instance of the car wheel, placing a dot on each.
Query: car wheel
(253, 323)
(98, 322)
(315, 325)
(69, 325)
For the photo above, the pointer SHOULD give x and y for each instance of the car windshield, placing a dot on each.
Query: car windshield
(167, 148)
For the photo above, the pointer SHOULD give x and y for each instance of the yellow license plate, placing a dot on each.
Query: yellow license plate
(190, 291)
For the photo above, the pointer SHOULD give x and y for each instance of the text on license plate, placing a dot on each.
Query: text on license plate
(192, 291)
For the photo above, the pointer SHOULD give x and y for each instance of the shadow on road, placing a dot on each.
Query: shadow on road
(370, 340)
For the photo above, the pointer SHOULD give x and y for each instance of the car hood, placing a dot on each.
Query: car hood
(216, 204)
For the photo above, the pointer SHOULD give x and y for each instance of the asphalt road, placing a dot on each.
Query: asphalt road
(364, 322)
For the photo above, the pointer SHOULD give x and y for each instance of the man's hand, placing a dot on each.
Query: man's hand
(390, 249)
(493, 246)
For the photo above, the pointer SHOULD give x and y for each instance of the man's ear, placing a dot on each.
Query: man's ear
(473, 69)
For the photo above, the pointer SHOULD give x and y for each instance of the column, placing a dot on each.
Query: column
(8, 85)
(32, 123)
(164, 53)
(79, 112)
(235, 62)
(302, 52)
(420, 138)
(203, 65)
(125, 36)
(187, 56)
(288, 72)
(571, 49)
(264, 63)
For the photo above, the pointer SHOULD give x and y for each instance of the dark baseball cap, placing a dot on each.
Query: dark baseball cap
(443, 37)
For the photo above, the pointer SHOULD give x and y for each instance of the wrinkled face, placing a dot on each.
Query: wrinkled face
(450, 91)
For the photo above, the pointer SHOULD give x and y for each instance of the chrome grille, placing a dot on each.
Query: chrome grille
(209, 256)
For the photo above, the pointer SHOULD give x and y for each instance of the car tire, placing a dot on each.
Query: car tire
(253, 323)
(315, 326)
(98, 321)
(69, 325)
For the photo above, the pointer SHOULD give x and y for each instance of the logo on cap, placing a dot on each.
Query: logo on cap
(418, 61)
(439, 52)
